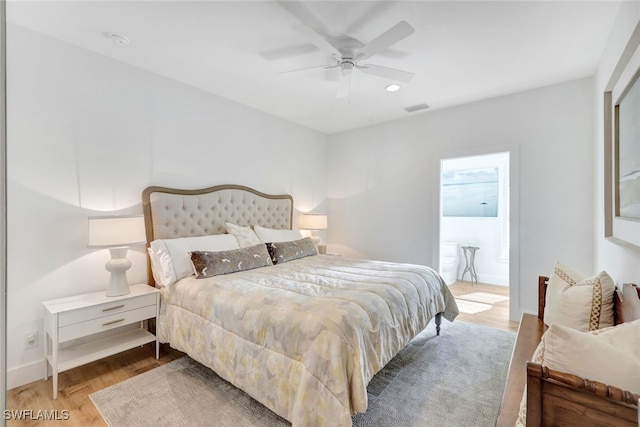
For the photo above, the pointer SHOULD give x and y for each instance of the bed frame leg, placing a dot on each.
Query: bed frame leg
(438, 322)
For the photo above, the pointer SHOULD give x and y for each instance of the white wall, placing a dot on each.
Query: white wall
(382, 182)
(621, 263)
(87, 134)
(3, 214)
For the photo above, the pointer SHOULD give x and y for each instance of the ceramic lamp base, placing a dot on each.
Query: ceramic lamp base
(118, 266)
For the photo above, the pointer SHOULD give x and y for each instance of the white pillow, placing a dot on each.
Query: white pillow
(170, 260)
(270, 235)
(579, 302)
(610, 356)
(245, 235)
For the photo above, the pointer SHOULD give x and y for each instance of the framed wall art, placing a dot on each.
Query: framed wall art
(622, 153)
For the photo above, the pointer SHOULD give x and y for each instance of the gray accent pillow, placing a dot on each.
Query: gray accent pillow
(209, 264)
(286, 251)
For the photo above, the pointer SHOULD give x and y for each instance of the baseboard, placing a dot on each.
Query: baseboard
(25, 374)
(492, 279)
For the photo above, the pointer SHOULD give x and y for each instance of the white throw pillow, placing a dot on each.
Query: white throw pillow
(579, 302)
(610, 356)
(270, 235)
(170, 260)
(245, 235)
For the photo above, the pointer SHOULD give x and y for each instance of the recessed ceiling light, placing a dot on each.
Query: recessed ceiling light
(392, 87)
(118, 38)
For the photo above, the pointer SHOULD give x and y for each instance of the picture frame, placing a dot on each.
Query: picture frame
(622, 152)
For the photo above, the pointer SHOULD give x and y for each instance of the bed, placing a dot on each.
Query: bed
(302, 337)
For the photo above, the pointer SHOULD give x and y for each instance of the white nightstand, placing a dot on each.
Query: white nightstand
(85, 328)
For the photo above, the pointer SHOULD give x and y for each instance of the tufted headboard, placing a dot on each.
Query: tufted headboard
(171, 213)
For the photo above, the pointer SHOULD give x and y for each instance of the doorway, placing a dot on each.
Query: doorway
(474, 229)
(474, 213)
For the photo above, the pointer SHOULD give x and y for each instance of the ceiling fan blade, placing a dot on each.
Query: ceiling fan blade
(393, 35)
(386, 72)
(317, 40)
(344, 83)
(308, 69)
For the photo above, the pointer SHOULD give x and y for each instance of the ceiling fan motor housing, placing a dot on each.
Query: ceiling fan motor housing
(348, 48)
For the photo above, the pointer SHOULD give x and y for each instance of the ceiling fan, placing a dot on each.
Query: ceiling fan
(347, 54)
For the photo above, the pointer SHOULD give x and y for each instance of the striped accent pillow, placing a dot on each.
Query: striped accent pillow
(579, 302)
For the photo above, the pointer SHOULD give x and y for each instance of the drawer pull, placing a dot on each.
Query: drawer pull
(113, 322)
(113, 308)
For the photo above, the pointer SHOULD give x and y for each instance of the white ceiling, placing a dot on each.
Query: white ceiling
(461, 51)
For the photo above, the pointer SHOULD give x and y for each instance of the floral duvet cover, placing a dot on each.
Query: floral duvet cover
(304, 337)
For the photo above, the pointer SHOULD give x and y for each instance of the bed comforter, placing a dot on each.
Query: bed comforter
(304, 337)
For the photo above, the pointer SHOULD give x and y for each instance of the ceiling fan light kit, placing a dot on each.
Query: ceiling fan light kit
(348, 52)
(393, 87)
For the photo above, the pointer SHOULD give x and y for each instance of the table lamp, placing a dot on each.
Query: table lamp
(117, 233)
(315, 222)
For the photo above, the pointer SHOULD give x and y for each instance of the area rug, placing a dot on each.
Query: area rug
(455, 379)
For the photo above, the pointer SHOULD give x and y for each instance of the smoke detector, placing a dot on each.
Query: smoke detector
(118, 38)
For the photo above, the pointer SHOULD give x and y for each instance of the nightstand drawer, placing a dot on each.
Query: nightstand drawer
(106, 309)
(105, 323)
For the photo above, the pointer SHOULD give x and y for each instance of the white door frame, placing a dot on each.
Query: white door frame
(514, 214)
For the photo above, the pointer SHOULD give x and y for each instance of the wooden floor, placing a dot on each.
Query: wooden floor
(483, 304)
(478, 303)
(77, 384)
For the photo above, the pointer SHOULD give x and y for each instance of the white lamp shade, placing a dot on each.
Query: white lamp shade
(314, 221)
(116, 231)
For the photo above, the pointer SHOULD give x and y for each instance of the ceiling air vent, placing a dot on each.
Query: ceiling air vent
(416, 107)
